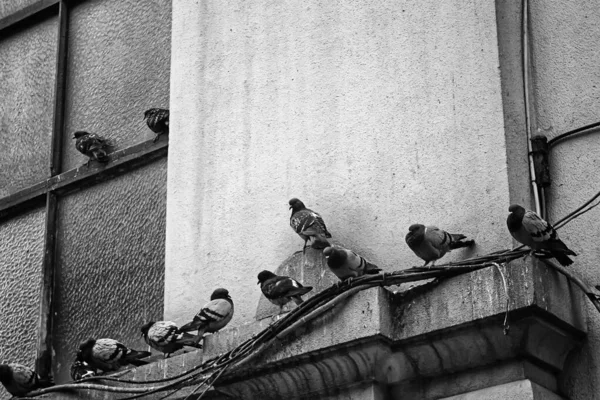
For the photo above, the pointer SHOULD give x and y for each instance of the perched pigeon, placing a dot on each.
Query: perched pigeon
(81, 370)
(157, 120)
(280, 290)
(92, 145)
(346, 264)
(165, 337)
(109, 355)
(20, 380)
(431, 243)
(530, 229)
(307, 224)
(213, 316)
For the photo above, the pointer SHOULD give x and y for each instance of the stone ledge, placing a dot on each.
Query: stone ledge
(439, 342)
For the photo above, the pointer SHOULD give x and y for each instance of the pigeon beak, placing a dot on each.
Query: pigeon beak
(258, 283)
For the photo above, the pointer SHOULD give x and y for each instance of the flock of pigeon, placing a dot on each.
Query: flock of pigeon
(428, 242)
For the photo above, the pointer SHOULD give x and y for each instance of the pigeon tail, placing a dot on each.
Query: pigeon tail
(457, 244)
(372, 269)
(562, 259)
(300, 291)
(192, 326)
(136, 355)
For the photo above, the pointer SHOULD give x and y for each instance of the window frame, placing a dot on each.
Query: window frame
(48, 191)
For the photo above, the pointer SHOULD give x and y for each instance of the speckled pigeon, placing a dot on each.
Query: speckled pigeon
(308, 224)
(346, 264)
(431, 243)
(528, 228)
(109, 355)
(213, 316)
(20, 380)
(165, 337)
(280, 290)
(157, 120)
(92, 145)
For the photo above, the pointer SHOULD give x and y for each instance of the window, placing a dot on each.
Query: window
(82, 249)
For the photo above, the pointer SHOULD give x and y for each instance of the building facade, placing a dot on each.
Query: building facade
(377, 115)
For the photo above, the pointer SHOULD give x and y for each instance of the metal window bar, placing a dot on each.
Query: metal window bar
(60, 183)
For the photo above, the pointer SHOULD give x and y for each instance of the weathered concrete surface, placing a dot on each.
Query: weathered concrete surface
(377, 114)
(519, 390)
(567, 94)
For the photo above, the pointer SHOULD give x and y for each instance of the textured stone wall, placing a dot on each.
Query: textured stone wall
(567, 93)
(378, 114)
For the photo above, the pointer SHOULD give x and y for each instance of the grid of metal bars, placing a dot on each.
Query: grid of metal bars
(49, 190)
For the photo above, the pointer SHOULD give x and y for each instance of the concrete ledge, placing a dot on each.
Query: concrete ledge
(440, 341)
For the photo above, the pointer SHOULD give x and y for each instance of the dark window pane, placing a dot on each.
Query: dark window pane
(27, 69)
(110, 277)
(119, 60)
(21, 258)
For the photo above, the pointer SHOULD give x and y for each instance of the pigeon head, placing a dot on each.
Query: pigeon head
(148, 113)
(517, 209)
(85, 346)
(5, 373)
(79, 134)
(296, 204)
(146, 327)
(220, 293)
(416, 233)
(335, 257)
(264, 275)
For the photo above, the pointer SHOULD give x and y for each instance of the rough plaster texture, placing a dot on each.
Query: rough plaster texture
(567, 95)
(8, 7)
(21, 256)
(27, 69)
(518, 390)
(118, 67)
(110, 275)
(377, 114)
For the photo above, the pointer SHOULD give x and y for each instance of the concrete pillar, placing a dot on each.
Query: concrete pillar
(377, 114)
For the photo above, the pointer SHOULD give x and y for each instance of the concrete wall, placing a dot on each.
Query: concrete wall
(378, 114)
(567, 91)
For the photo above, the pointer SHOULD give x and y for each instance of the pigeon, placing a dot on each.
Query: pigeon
(81, 370)
(307, 223)
(213, 316)
(530, 229)
(431, 243)
(109, 355)
(165, 337)
(20, 380)
(280, 290)
(92, 145)
(346, 264)
(158, 121)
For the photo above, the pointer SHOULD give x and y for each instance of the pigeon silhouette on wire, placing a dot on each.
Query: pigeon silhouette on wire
(528, 228)
(346, 264)
(92, 145)
(213, 316)
(431, 243)
(308, 224)
(20, 380)
(165, 337)
(158, 121)
(280, 290)
(109, 355)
